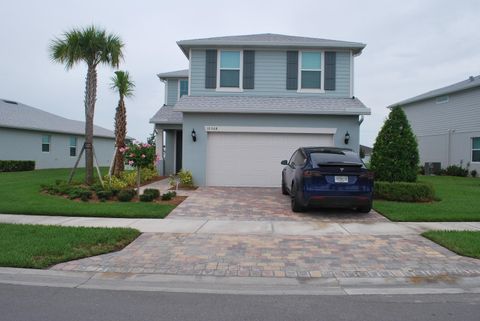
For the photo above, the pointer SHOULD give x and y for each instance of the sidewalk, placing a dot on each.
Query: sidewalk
(206, 226)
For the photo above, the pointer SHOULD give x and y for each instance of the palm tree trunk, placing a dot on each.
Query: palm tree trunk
(90, 98)
(120, 135)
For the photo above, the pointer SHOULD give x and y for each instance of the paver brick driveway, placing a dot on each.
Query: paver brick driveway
(257, 204)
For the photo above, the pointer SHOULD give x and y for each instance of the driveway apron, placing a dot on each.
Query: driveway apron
(274, 255)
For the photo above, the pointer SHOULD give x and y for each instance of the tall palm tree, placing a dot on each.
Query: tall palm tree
(92, 46)
(122, 84)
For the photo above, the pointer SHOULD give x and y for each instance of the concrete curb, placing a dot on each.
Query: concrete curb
(240, 285)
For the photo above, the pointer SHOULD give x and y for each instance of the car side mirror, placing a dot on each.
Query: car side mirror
(284, 162)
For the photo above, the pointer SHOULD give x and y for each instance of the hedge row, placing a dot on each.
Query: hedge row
(16, 166)
(404, 192)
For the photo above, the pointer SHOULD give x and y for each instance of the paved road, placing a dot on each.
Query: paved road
(42, 303)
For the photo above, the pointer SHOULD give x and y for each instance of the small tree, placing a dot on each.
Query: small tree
(395, 152)
(139, 156)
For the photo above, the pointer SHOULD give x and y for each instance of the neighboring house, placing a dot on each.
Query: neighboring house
(446, 122)
(367, 153)
(28, 133)
(248, 102)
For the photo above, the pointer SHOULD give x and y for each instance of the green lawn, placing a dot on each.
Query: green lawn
(20, 194)
(466, 243)
(41, 246)
(460, 201)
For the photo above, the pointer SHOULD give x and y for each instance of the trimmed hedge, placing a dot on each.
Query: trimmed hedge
(404, 192)
(16, 166)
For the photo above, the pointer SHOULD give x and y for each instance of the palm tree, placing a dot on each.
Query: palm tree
(92, 46)
(122, 84)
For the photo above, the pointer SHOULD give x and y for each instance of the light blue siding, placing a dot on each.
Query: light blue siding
(195, 153)
(16, 144)
(270, 75)
(171, 91)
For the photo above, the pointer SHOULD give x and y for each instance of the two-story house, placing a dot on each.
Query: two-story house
(247, 102)
(446, 122)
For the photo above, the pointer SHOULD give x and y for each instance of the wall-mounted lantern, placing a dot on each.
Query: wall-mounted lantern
(194, 135)
(347, 138)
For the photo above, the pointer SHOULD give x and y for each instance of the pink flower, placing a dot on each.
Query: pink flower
(132, 155)
(143, 155)
(130, 162)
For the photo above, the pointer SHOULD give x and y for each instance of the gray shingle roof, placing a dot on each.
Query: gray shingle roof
(270, 40)
(272, 105)
(18, 115)
(166, 115)
(174, 74)
(471, 82)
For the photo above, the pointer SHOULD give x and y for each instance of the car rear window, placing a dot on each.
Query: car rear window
(335, 157)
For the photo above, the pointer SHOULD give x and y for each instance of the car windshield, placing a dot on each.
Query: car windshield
(334, 158)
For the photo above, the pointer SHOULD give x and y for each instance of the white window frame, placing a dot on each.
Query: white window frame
(321, 90)
(178, 89)
(49, 143)
(240, 81)
(474, 149)
(71, 146)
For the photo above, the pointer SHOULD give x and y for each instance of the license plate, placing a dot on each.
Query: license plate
(341, 179)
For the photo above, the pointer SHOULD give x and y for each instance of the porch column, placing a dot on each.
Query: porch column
(159, 150)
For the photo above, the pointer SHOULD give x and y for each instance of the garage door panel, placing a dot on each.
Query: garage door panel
(253, 159)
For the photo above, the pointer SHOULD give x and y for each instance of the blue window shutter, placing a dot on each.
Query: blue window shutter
(248, 69)
(211, 69)
(330, 70)
(292, 70)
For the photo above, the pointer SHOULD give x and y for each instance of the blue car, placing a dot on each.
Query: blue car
(327, 177)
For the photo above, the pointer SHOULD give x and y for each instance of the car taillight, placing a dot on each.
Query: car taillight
(311, 173)
(367, 175)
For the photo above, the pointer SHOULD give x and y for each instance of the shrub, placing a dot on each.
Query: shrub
(104, 195)
(473, 173)
(146, 197)
(126, 195)
(147, 174)
(114, 182)
(16, 166)
(456, 170)
(79, 192)
(395, 152)
(186, 177)
(404, 191)
(152, 191)
(129, 178)
(168, 196)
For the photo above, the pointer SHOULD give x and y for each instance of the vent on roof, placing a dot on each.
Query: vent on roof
(471, 78)
(10, 102)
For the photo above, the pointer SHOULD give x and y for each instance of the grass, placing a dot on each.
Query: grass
(460, 201)
(20, 194)
(466, 243)
(41, 246)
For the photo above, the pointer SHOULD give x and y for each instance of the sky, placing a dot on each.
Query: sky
(412, 47)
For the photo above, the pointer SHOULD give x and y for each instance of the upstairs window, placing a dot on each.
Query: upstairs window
(73, 146)
(476, 149)
(230, 69)
(46, 143)
(182, 88)
(311, 70)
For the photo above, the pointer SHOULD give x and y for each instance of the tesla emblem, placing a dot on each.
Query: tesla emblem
(341, 169)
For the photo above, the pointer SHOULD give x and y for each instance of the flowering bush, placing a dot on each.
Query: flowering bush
(139, 155)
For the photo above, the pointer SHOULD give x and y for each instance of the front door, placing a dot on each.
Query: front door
(178, 152)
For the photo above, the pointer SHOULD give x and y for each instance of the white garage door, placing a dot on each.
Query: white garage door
(253, 159)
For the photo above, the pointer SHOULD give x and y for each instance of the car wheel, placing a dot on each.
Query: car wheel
(284, 188)
(295, 202)
(365, 209)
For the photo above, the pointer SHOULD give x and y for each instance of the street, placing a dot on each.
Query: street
(38, 303)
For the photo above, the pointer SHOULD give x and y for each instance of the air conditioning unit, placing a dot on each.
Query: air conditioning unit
(433, 168)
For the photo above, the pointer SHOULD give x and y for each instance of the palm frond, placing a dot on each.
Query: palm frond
(122, 83)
